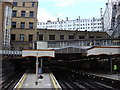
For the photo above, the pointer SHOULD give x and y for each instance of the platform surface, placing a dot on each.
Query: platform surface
(30, 80)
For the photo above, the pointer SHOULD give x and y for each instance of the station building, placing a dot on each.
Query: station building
(48, 35)
(24, 23)
(67, 35)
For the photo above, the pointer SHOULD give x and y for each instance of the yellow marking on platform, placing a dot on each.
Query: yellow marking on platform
(105, 76)
(102, 76)
(20, 84)
(53, 81)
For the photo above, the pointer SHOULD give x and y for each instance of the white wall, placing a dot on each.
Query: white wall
(41, 45)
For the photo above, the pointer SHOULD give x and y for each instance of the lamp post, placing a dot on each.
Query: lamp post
(37, 63)
(41, 64)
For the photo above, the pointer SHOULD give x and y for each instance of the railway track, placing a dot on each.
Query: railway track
(11, 81)
(71, 81)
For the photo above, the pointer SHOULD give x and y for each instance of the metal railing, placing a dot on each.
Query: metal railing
(9, 52)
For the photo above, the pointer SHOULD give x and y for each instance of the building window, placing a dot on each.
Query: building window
(33, 4)
(14, 13)
(14, 3)
(30, 48)
(22, 13)
(13, 37)
(61, 37)
(91, 37)
(31, 25)
(13, 24)
(40, 37)
(71, 36)
(30, 37)
(98, 37)
(22, 25)
(21, 37)
(23, 4)
(51, 37)
(81, 37)
(21, 48)
(31, 14)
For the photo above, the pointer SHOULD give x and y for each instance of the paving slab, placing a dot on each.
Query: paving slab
(30, 80)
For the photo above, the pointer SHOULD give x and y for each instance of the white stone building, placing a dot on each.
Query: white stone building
(93, 24)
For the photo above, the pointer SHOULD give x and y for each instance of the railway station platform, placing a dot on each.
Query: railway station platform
(109, 76)
(28, 81)
(114, 76)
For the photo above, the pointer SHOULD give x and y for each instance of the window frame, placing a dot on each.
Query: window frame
(33, 4)
(15, 3)
(71, 37)
(13, 37)
(23, 4)
(22, 38)
(22, 25)
(40, 37)
(14, 25)
(62, 37)
(14, 14)
(30, 37)
(31, 14)
(30, 23)
(23, 14)
(51, 37)
(81, 37)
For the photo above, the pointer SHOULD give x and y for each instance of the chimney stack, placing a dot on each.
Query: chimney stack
(79, 18)
(58, 19)
(66, 18)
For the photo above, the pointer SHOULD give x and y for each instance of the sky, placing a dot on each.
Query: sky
(53, 9)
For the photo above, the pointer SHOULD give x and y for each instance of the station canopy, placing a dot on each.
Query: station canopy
(38, 53)
(103, 50)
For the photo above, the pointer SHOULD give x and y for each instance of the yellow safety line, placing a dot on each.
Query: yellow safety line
(104, 76)
(53, 81)
(20, 84)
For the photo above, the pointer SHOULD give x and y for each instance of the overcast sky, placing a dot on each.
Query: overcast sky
(51, 9)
